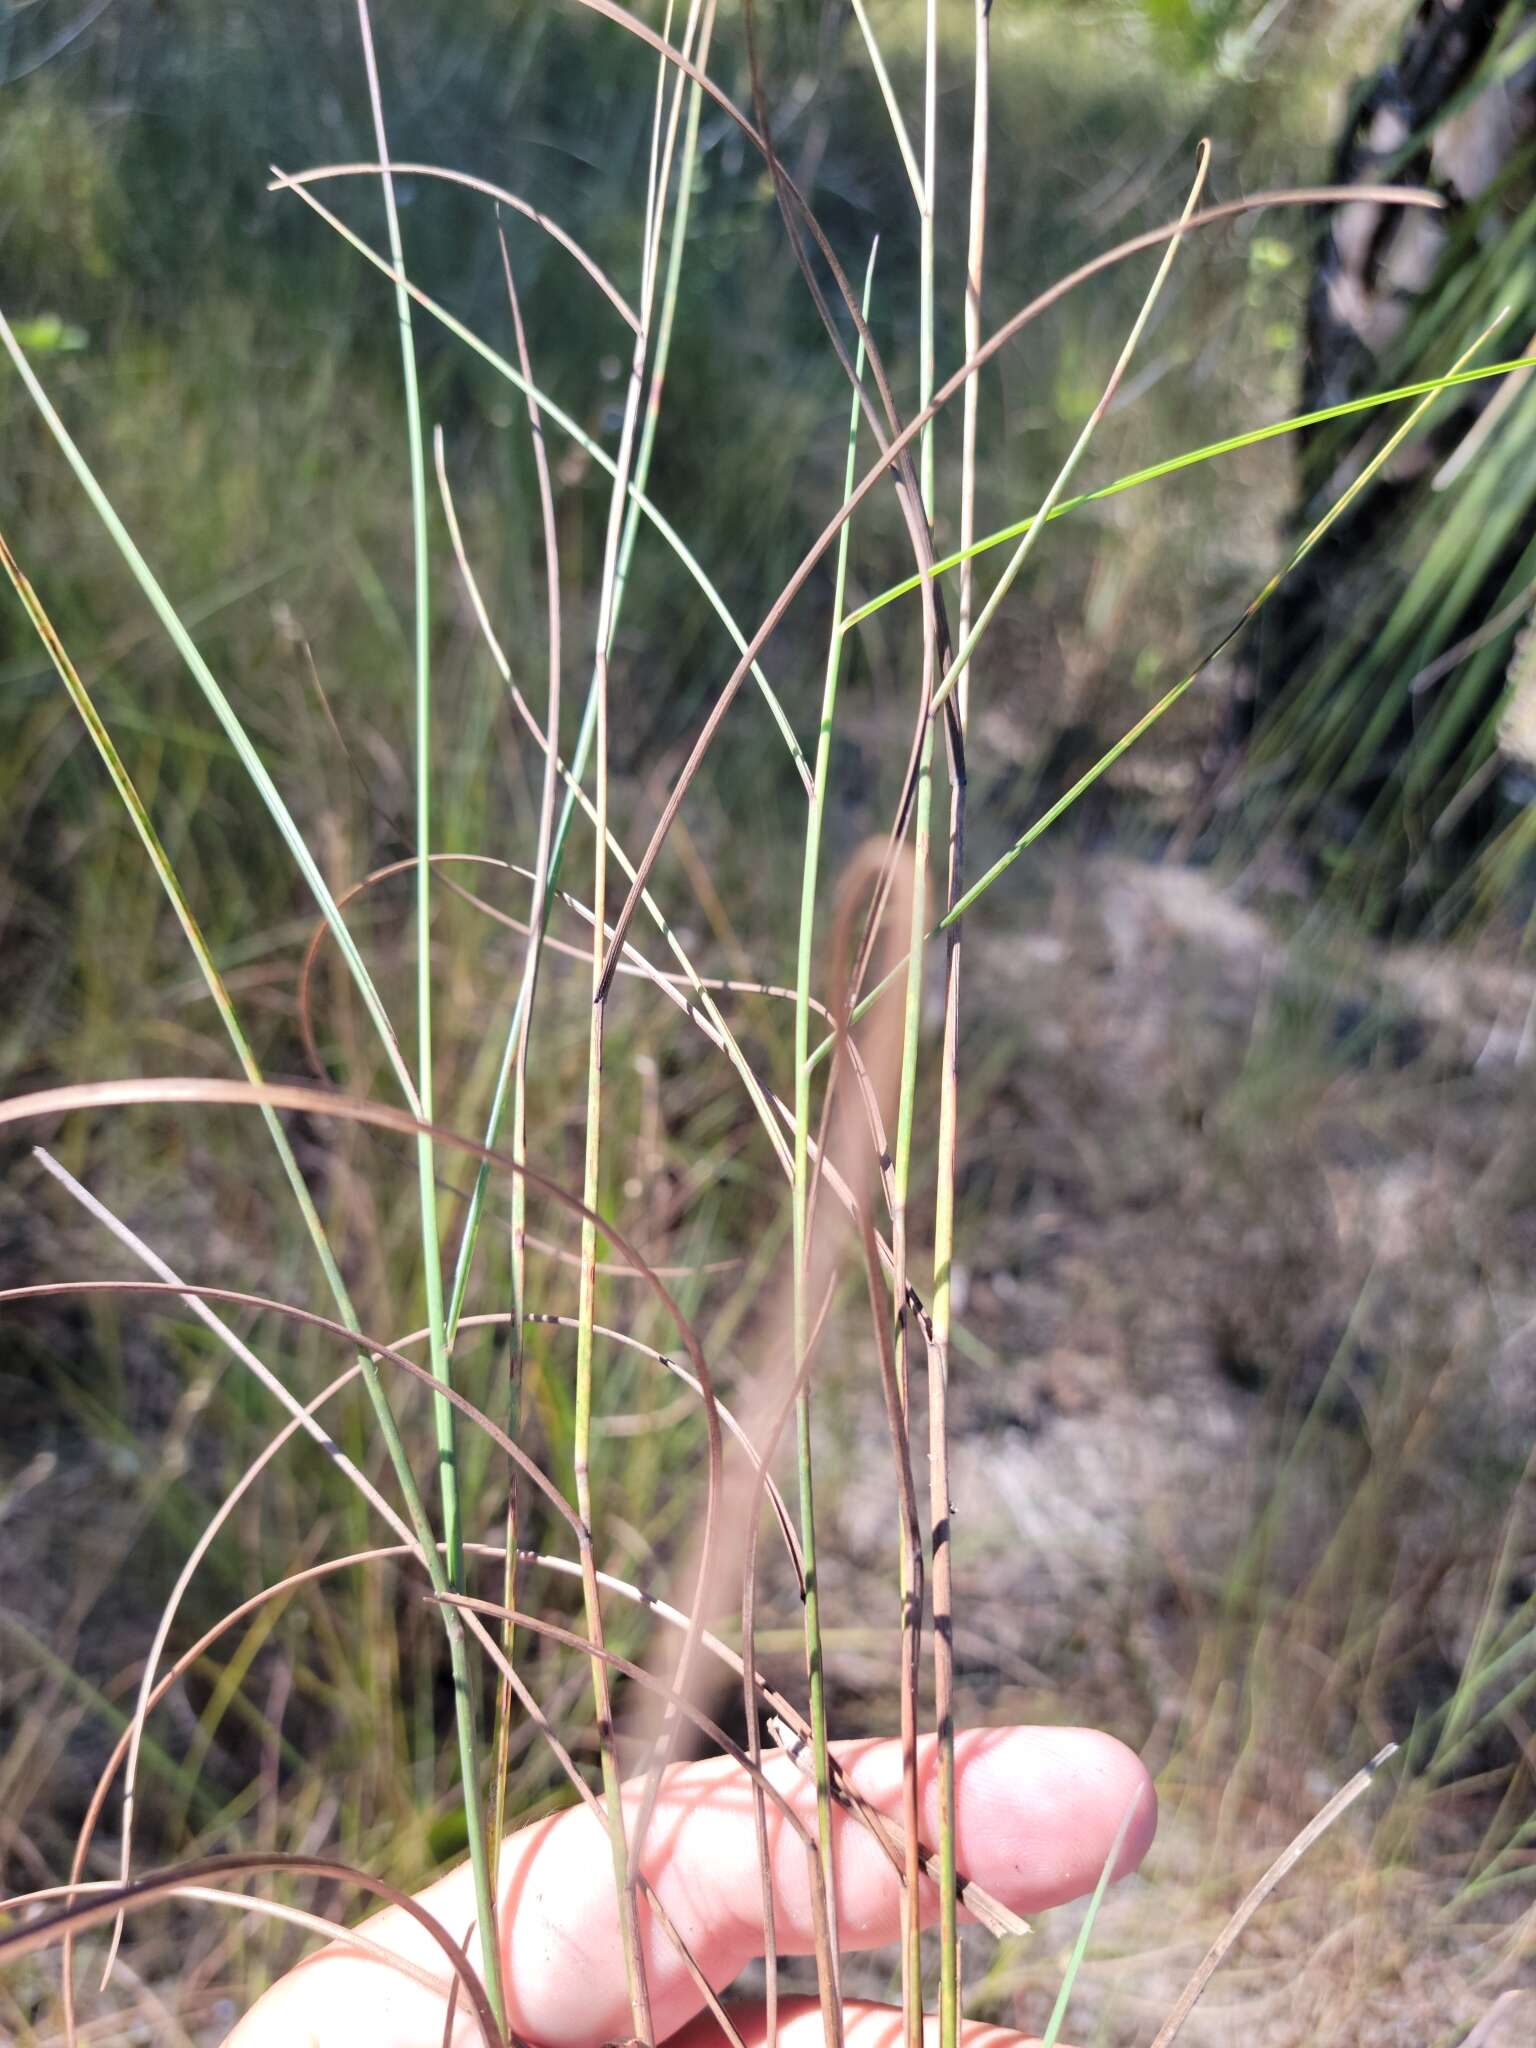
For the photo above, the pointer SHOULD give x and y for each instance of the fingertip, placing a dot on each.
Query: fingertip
(1138, 1800)
(1041, 1809)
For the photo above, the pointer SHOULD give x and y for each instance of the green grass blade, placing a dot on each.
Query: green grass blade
(221, 707)
(800, 1191)
(1234, 444)
(1084, 1935)
(464, 1712)
(1335, 511)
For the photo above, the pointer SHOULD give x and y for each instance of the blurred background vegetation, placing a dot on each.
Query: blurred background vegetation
(1248, 1201)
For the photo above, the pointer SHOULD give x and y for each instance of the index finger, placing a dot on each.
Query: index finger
(1037, 1813)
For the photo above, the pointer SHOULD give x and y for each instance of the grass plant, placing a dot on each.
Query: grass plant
(721, 1227)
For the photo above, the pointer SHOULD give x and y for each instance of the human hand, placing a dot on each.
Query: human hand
(1038, 1810)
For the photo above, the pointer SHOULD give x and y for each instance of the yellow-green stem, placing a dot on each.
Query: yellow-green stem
(426, 1169)
(800, 1189)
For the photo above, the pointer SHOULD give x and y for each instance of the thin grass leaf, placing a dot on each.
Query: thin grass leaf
(605, 284)
(1085, 1935)
(79, 1918)
(1234, 444)
(619, 1846)
(1285, 1862)
(263, 1374)
(464, 1711)
(526, 995)
(800, 1178)
(219, 704)
(892, 106)
(940, 1505)
(1068, 469)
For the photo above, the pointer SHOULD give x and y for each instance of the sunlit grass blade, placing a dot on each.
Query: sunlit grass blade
(892, 104)
(1233, 445)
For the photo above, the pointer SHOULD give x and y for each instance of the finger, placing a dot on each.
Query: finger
(1037, 1812)
(864, 2026)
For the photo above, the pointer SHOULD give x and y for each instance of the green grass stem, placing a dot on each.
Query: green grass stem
(802, 1307)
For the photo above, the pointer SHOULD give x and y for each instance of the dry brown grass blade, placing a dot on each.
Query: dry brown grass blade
(897, 1418)
(674, 984)
(611, 11)
(319, 173)
(472, 1611)
(897, 887)
(752, 1683)
(274, 1386)
(783, 1711)
(180, 1091)
(154, 1690)
(737, 1540)
(272, 1909)
(150, 1691)
(702, 1985)
(871, 1102)
(1152, 238)
(785, 1715)
(162, 1884)
(381, 1354)
(1284, 1863)
(440, 864)
(706, 1269)
(916, 509)
(539, 1720)
(794, 209)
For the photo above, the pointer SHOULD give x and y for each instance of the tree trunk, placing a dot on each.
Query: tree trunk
(1372, 698)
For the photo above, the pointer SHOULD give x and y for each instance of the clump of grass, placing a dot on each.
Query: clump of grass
(525, 1451)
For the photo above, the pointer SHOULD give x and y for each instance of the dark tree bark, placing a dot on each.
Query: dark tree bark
(1397, 294)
